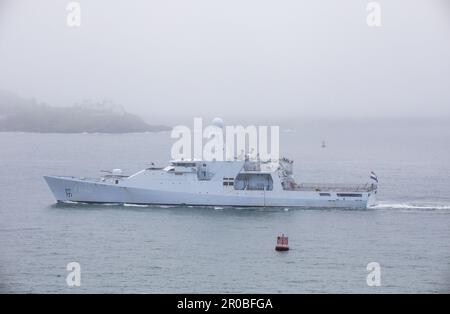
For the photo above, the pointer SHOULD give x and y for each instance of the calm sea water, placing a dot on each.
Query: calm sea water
(188, 249)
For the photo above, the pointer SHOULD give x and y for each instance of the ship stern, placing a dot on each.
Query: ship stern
(372, 198)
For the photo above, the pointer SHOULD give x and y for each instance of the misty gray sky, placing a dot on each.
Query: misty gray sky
(230, 58)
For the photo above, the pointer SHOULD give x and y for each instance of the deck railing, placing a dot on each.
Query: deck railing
(335, 187)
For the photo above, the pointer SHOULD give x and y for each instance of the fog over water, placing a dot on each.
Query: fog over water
(170, 60)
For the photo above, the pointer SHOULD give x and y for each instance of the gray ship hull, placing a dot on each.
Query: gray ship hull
(70, 189)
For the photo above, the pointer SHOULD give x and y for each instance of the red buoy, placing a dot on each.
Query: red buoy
(282, 243)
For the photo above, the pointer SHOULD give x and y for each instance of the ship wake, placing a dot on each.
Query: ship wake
(407, 206)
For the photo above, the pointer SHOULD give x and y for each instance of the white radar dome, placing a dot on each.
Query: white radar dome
(218, 122)
(117, 172)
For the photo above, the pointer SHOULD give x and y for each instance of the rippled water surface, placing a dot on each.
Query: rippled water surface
(126, 248)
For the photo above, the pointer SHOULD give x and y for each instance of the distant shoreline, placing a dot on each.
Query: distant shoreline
(27, 115)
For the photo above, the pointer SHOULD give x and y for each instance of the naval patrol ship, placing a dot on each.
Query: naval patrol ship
(245, 182)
